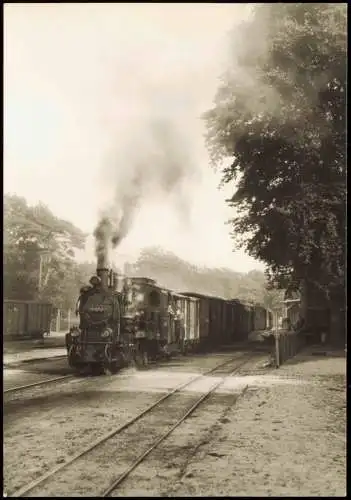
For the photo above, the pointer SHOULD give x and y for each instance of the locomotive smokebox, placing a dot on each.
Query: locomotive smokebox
(103, 272)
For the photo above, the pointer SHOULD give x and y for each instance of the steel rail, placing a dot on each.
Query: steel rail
(142, 457)
(36, 482)
(37, 384)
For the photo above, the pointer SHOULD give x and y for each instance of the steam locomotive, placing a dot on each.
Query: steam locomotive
(118, 327)
(124, 320)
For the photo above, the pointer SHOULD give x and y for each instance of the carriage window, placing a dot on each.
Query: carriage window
(154, 299)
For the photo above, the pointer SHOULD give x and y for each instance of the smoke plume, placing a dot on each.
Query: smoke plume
(154, 161)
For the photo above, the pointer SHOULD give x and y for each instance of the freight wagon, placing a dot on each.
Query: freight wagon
(203, 319)
(242, 324)
(216, 316)
(224, 321)
(188, 311)
(26, 319)
(260, 318)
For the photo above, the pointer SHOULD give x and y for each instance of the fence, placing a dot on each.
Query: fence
(287, 345)
(63, 320)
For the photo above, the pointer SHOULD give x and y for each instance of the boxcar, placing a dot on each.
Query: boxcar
(260, 318)
(193, 337)
(242, 315)
(250, 321)
(228, 321)
(203, 318)
(179, 322)
(215, 324)
(215, 320)
(189, 308)
(231, 321)
(26, 319)
(221, 335)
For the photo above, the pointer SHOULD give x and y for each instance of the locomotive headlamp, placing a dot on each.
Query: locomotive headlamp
(106, 333)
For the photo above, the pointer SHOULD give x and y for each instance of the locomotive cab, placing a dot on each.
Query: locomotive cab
(147, 303)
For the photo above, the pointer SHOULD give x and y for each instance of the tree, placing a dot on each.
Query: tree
(176, 274)
(39, 247)
(273, 299)
(280, 114)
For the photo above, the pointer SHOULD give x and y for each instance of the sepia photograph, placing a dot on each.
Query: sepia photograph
(174, 249)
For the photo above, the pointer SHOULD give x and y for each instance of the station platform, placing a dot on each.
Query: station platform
(18, 351)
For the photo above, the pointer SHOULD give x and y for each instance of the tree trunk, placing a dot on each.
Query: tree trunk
(337, 332)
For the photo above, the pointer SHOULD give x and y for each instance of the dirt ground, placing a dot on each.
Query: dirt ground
(284, 436)
(44, 426)
(23, 350)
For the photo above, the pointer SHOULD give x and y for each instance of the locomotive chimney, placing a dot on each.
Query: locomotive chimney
(103, 272)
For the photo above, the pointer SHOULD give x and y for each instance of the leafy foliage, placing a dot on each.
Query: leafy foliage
(280, 113)
(34, 234)
(39, 253)
(176, 274)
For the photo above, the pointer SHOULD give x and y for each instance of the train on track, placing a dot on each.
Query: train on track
(26, 319)
(124, 320)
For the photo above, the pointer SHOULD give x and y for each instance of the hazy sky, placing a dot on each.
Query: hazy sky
(75, 78)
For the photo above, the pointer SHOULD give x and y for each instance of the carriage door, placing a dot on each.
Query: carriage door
(178, 323)
(170, 312)
(192, 320)
(186, 319)
(164, 322)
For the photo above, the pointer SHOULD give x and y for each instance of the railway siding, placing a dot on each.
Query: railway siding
(100, 458)
(44, 427)
(262, 443)
(286, 438)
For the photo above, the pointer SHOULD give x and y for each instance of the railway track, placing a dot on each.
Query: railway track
(12, 390)
(27, 362)
(78, 463)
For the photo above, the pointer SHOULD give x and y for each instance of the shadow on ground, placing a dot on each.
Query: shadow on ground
(16, 407)
(316, 353)
(19, 346)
